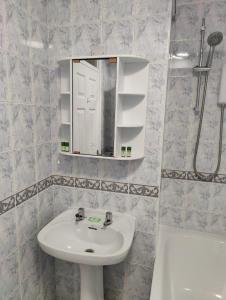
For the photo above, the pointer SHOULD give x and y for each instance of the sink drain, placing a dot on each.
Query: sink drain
(89, 250)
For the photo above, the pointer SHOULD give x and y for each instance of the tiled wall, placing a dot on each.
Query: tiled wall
(25, 136)
(25, 271)
(128, 27)
(192, 204)
(25, 111)
(84, 27)
(132, 278)
(22, 215)
(33, 36)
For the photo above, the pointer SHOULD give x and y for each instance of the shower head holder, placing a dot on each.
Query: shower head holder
(201, 69)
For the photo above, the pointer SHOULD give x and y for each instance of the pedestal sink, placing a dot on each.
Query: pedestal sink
(89, 244)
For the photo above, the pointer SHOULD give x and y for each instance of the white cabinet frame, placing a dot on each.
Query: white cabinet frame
(131, 104)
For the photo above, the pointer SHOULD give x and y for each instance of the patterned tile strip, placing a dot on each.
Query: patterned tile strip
(175, 174)
(190, 175)
(116, 187)
(44, 184)
(143, 190)
(80, 183)
(94, 184)
(84, 183)
(102, 185)
(63, 180)
(220, 179)
(26, 194)
(7, 204)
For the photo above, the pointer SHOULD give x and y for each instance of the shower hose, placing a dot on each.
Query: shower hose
(197, 173)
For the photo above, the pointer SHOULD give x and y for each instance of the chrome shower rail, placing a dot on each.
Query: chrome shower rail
(199, 68)
(174, 10)
(213, 40)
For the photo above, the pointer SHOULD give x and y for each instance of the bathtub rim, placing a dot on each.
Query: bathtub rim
(164, 233)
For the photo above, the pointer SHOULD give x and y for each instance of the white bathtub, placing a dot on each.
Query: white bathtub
(190, 265)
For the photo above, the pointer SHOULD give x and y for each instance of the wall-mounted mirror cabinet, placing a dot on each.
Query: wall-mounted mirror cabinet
(103, 106)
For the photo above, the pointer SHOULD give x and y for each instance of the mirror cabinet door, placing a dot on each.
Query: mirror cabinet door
(93, 102)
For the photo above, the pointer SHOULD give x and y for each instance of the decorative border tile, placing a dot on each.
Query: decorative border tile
(93, 184)
(175, 174)
(116, 187)
(85, 183)
(220, 178)
(7, 204)
(63, 180)
(190, 175)
(102, 185)
(44, 184)
(143, 190)
(26, 194)
(81, 183)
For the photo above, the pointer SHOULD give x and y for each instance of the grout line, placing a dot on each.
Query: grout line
(18, 249)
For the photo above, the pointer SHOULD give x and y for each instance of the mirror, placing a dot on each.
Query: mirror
(93, 106)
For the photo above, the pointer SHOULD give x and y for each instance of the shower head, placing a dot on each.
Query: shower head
(215, 38)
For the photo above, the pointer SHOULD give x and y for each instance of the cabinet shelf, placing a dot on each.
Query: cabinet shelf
(131, 111)
(130, 126)
(65, 94)
(65, 77)
(66, 123)
(140, 95)
(101, 157)
(131, 105)
(65, 111)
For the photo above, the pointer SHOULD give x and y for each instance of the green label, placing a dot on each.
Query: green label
(94, 219)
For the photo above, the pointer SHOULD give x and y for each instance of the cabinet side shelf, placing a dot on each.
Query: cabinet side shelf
(130, 126)
(131, 94)
(100, 157)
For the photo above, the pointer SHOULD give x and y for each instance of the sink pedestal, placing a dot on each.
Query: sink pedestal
(91, 282)
(79, 243)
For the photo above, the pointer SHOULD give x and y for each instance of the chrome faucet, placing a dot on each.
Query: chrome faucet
(108, 218)
(80, 214)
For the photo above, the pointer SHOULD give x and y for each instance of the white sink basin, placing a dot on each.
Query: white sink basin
(89, 243)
